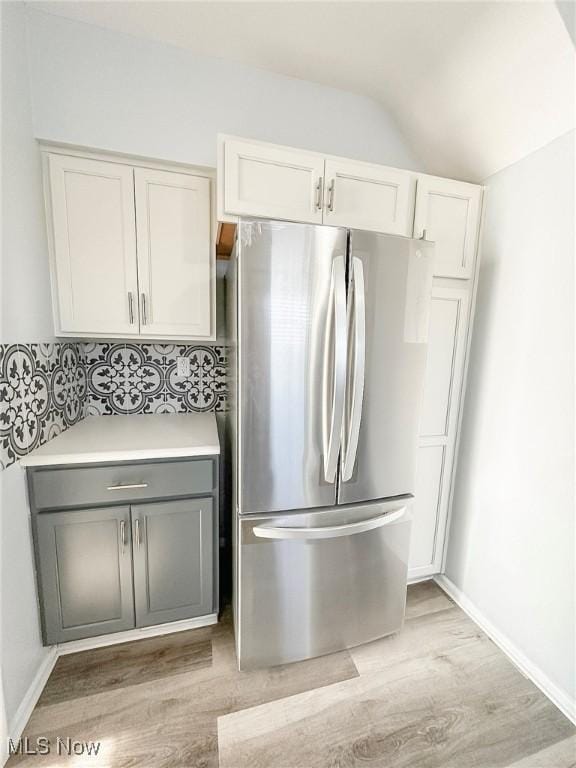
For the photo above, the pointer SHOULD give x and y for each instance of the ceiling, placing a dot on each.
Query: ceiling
(473, 86)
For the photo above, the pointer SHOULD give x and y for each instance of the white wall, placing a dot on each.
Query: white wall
(26, 317)
(26, 309)
(108, 90)
(511, 545)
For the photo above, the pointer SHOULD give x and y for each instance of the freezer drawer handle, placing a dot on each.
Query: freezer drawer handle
(328, 532)
(128, 487)
(356, 300)
(334, 378)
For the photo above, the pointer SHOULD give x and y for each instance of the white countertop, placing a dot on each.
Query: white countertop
(130, 438)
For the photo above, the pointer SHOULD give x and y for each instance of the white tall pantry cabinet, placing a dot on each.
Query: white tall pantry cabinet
(447, 212)
(259, 179)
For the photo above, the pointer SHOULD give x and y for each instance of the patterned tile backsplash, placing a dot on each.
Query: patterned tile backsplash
(142, 378)
(42, 393)
(45, 388)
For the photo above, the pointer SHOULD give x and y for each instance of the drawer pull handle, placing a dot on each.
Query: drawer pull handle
(129, 486)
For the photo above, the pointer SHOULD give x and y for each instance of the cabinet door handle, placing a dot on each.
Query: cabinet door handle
(144, 312)
(129, 486)
(137, 532)
(131, 307)
(123, 539)
(319, 193)
(331, 190)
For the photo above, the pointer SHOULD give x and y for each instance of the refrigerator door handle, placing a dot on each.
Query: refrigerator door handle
(328, 531)
(357, 300)
(335, 365)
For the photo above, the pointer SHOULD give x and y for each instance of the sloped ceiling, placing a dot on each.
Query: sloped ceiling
(474, 86)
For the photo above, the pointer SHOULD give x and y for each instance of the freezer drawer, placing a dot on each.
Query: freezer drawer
(317, 582)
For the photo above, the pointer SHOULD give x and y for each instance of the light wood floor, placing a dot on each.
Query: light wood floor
(437, 695)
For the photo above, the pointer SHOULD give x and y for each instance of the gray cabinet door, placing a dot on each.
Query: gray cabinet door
(85, 565)
(173, 560)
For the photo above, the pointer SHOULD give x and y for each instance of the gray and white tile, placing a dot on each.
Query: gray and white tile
(69, 383)
(42, 392)
(13, 432)
(143, 378)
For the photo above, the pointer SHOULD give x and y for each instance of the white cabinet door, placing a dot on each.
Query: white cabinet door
(438, 425)
(94, 246)
(446, 347)
(272, 182)
(175, 258)
(430, 463)
(370, 197)
(449, 211)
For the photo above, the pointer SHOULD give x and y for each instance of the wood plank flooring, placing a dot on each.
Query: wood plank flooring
(439, 694)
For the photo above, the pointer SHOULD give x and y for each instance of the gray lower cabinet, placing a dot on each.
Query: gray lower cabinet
(172, 560)
(86, 572)
(149, 559)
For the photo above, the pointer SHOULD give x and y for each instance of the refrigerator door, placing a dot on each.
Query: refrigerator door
(317, 582)
(388, 312)
(291, 364)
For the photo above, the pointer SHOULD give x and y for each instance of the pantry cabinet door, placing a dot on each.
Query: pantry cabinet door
(92, 204)
(449, 318)
(449, 212)
(424, 543)
(445, 361)
(175, 254)
(369, 197)
(272, 182)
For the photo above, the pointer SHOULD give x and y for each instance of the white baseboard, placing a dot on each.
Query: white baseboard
(416, 578)
(421, 573)
(556, 695)
(89, 643)
(20, 719)
(22, 715)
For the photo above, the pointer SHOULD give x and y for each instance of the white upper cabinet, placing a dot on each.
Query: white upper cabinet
(174, 253)
(272, 182)
(132, 251)
(369, 197)
(94, 245)
(449, 212)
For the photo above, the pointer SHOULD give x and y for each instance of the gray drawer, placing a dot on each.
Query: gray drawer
(96, 485)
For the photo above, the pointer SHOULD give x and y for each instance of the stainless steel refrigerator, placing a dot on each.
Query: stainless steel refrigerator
(328, 336)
